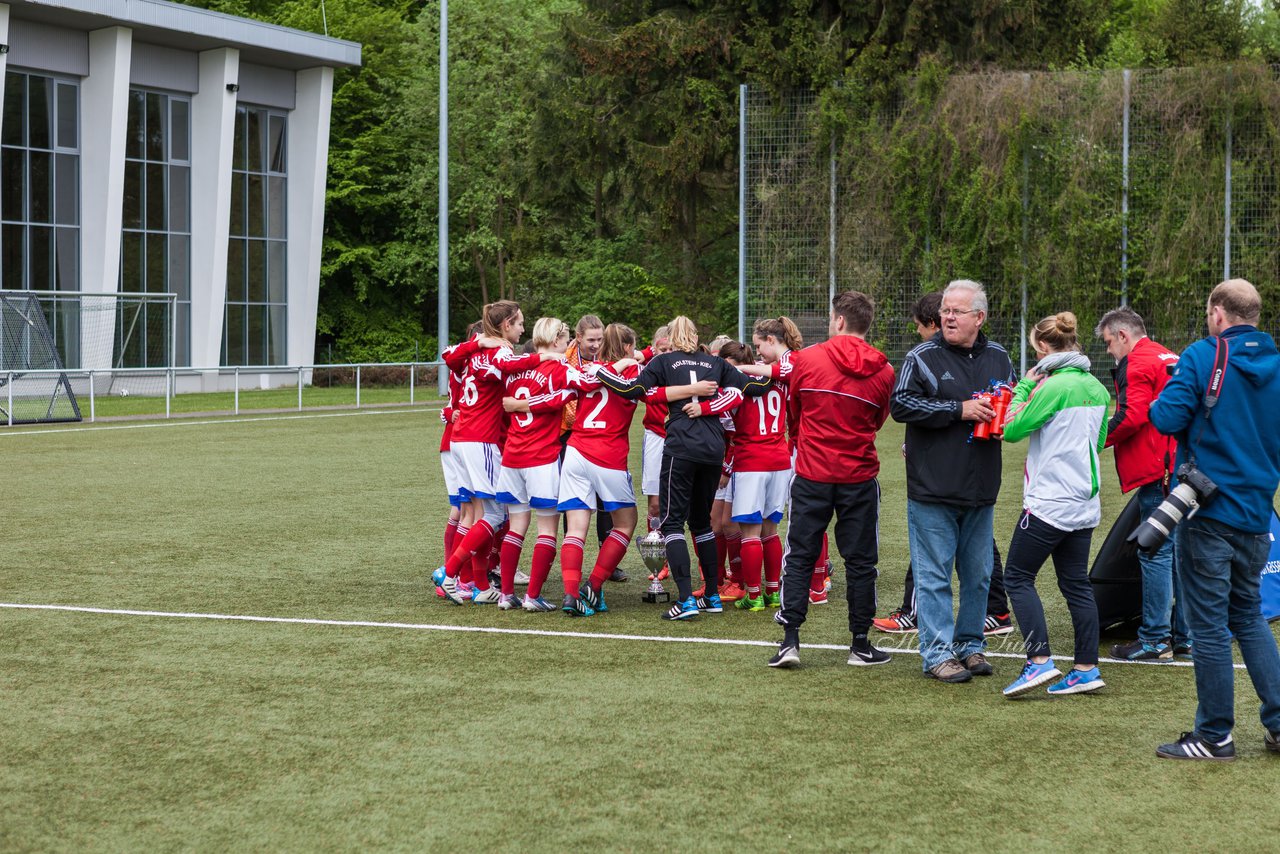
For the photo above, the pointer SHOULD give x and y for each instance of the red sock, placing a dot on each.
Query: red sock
(458, 536)
(612, 550)
(733, 545)
(478, 540)
(544, 553)
(571, 564)
(465, 575)
(450, 531)
(772, 547)
(512, 543)
(752, 561)
(818, 583)
(722, 557)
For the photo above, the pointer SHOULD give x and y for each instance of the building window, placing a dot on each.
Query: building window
(40, 195)
(155, 251)
(255, 320)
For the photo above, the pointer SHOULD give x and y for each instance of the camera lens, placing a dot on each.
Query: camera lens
(1157, 527)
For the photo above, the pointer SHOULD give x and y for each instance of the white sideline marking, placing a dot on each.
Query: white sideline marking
(437, 627)
(235, 419)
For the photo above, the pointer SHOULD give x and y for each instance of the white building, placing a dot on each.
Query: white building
(152, 147)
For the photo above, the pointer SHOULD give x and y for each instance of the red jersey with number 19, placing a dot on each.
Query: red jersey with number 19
(480, 416)
(601, 430)
(760, 433)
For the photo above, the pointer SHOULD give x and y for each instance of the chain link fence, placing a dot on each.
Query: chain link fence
(1064, 190)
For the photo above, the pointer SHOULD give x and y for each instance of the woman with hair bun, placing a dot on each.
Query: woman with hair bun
(1062, 409)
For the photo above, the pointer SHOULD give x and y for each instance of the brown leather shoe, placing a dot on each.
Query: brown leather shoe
(978, 665)
(950, 670)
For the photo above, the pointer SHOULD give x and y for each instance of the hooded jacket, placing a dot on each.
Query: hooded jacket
(1065, 415)
(1142, 455)
(839, 400)
(1238, 446)
(944, 466)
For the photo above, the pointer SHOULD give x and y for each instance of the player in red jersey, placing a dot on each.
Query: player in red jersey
(776, 339)
(455, 358)
(761, 475)
(477, 429)
(595, 468)
(530, 478)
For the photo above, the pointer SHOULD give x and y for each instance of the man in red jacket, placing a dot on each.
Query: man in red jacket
(1144, 461)
(839, 400)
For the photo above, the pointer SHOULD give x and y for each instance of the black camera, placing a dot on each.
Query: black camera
(1194, 490)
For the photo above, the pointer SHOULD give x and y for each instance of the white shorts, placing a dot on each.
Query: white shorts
(651, 463)
(583, 482)
(477, 465)
(450, 478)
(725, 493)
(760, 496)
(537, 487)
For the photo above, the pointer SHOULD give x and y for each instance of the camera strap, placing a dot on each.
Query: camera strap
(1212, 392)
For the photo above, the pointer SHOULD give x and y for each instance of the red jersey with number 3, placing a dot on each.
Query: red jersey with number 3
(480, 415)
(602, 428)
(760, 433)
(533, 437)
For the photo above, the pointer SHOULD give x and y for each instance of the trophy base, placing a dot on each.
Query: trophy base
(655, 596)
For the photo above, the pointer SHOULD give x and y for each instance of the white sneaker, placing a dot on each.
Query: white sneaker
(510, 602)
(488, 596)
(537, 603)
(452, 591)
(522, 577)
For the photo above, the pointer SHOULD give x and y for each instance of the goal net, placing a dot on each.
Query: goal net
(33, 383)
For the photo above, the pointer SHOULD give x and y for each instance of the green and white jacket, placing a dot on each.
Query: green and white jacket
(1065, 414)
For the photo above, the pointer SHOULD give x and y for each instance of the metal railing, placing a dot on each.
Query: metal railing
(166, 382)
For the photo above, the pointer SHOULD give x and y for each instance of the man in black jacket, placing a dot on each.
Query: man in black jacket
(952, 480)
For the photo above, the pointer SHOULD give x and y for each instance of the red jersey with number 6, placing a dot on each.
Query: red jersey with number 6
(480, 416)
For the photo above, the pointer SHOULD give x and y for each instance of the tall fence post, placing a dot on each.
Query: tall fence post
(93, 415)
(742, 216)
(831, 238)
(1124, 195)
(9, 391)
(237, 381)
(412, 368)
(1026, 205)
(357, 386)
(299, 388)
(168, 392)
(1226, 192)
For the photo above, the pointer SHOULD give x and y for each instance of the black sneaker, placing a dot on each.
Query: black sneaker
(575, 607)
(997, 624)
(861, 656)
(1271, 741)
(788, 654)
(1140, 650)
(593, 598)
(618, 575)
(1182, 651)
(1192, 746)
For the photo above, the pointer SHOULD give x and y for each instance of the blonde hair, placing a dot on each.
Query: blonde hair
(619, 343)
(1058, 332)
(782, 328)
(719, 341)
(547, 331)
(497, 313)
(660, 333)
(684, 335)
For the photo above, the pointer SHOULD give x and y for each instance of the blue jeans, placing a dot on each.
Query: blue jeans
(1220, 569)
(940, 535)
(1162, 612)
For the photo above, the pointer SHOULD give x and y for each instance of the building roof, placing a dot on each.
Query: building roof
(179, 26)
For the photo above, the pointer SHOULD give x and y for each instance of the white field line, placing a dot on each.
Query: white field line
(235, 419)
(490, 630)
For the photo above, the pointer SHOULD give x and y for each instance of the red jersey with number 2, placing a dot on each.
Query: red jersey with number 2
(602, 428)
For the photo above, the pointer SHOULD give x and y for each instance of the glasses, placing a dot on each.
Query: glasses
(956, 312)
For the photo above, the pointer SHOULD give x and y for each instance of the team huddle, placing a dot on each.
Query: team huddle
(546, 433)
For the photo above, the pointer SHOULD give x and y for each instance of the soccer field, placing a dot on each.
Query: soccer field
(380, 717)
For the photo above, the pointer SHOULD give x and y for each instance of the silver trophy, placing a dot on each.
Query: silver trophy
(654, 554)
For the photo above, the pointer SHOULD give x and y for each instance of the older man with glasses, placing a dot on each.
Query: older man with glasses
(952, 481)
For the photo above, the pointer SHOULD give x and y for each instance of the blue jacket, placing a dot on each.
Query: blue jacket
(1239, 446)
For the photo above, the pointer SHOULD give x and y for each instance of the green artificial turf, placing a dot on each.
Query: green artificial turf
(137, 732)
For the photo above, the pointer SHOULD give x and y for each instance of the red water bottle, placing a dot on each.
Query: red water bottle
(982, 429)
(1000, 403)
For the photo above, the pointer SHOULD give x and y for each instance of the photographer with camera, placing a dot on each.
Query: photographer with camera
(1144, 461)
(1218, 404)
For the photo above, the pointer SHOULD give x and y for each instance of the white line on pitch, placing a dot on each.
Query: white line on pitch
(437, 627)
(239, 419)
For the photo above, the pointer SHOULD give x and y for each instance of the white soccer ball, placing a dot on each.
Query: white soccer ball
(124, 392)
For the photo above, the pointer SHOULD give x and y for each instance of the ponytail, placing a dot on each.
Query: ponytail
(782, 328)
